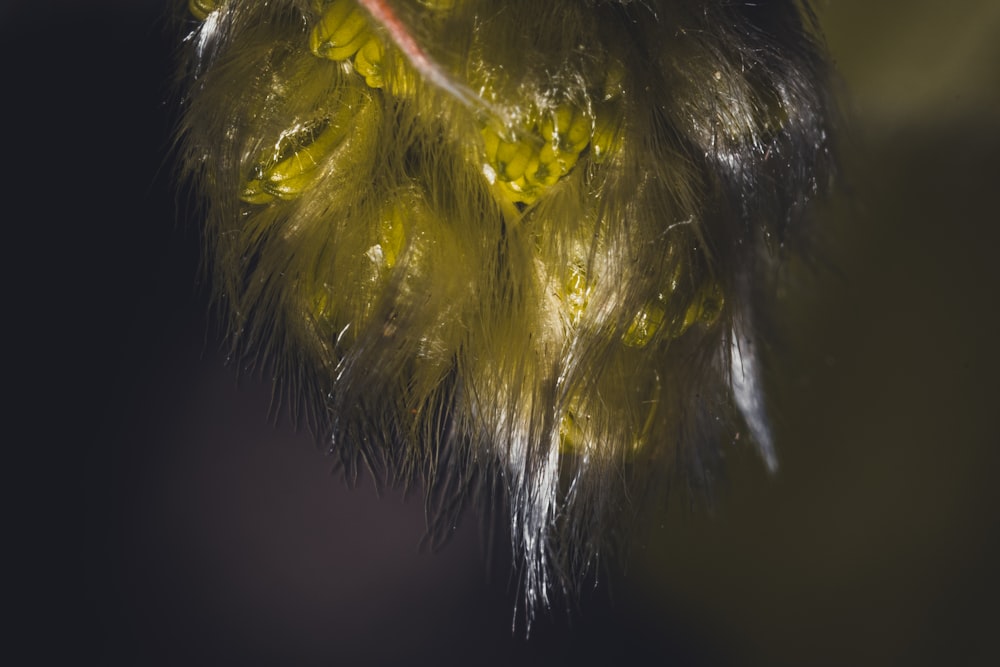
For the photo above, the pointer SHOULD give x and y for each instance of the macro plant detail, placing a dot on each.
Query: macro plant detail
(510, 250)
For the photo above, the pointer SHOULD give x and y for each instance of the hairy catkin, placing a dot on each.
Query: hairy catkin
(508, 248)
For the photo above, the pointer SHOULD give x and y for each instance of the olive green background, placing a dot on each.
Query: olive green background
(168, 520)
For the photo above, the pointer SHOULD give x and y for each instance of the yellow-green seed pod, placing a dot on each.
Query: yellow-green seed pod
(200, 9)
(341, 31)
(368, 62)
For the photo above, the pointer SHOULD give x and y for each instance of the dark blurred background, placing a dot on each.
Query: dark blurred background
(159, 516)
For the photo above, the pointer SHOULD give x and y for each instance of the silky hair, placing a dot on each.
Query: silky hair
(509, 250)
